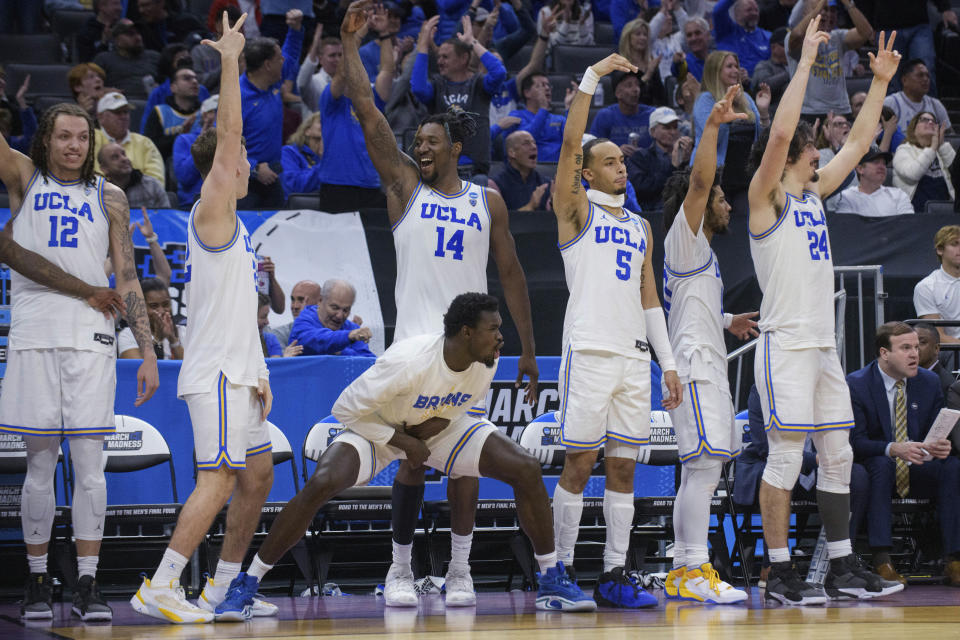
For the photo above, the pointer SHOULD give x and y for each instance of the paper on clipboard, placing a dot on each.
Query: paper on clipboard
(942, 426)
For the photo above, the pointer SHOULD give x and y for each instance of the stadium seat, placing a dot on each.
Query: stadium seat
(283, 452)
(939, 206)
(45, 79)
(66, 24)
(42, 48)
(856, 84)
(575, 59)
(42, 103)
(517, 61)
(173, 199)
(304, 201)
(603, 34)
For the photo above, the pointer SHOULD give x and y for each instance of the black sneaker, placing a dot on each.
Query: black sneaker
(785, 586)
(37, 600)
(88, 603)
(848, 579)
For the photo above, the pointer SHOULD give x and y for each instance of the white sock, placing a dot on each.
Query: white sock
(779, 555)
(226, 572)
(403, 552)
(38, 564)
(87, 566)
(567, 510)
(460, 549)
(839, 548)
(258, 568)
(546, 561)
(679, 554)
(618, 514)
(697, 554)
(171, 566)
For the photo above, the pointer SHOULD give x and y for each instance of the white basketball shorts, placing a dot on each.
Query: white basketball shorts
(704, 422)
(801, 389)
(54, 392)
(455, 451)
(227, 428)
(603, 396)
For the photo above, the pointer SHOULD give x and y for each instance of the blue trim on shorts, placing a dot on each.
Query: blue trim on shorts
(58, 431)
(704, 447)
(461, 443)
(775, 421)
(223, 458)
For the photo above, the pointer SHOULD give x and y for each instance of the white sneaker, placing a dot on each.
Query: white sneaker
(459, 587)
(168, 603)
(213, 594)
(398, 590)
(704, 585)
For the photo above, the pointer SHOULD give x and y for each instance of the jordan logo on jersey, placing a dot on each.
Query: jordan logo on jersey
(54, 200)
(449, 214)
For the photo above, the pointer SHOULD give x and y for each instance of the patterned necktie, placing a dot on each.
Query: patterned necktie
(900, 434)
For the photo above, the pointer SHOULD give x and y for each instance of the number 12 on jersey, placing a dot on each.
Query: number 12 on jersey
(67, 236)
(818, 245)
(454, 245)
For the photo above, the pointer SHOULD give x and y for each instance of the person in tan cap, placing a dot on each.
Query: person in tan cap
(113, 113)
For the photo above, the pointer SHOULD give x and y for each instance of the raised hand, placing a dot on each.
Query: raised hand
(146, 228)
(378, 20)
(294, 19)
(884, 64)
(466, 35)
(230, 44)
(22, 93)
(763, 98)
(812, 41)
(356, 18)
(723, 112)
(613, 62)
(428, 30)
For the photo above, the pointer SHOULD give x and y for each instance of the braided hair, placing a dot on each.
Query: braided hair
(460, 125)
(39, 148)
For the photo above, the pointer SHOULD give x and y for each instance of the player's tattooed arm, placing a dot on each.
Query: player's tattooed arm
(124, 266)
(577, 173)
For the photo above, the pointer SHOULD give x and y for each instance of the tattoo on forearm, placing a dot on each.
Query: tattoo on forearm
(42, 271)
(121, 246)
(577, 172)
(138, 321)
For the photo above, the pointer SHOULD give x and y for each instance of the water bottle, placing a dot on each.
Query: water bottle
(598, 95)
(634, 138)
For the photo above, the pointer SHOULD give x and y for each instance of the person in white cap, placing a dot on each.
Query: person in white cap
(113, 113)
(188, 178)
(648, 169)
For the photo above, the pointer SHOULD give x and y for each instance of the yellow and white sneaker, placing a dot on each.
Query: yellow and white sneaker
(213, 594)
(704, 585)
(168, 603)
(672, 584)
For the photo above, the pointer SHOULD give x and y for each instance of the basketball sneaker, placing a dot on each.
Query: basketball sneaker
(785, 586)
(458, 586)
(671, 586)
(557, 592)
(616, 589)
(237, 605)
(399, 590)
(213, 594)
(848, 579)
(704, 585)
(37, 598)
(88, 603)
(167, 602)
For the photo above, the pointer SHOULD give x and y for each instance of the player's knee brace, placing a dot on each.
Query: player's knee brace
(37, 508)
(702, 475)
(90, 488)
(836, 463)
(783, 469)
(617, 449)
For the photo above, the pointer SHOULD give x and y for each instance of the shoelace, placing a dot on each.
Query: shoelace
(713, 578)
(627, 580)
(238, 592)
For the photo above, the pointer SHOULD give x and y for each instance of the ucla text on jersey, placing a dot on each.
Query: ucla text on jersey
(805, 218)
(63, 228)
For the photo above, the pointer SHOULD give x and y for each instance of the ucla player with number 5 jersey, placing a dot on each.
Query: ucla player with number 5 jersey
(613, 319)
(802, 386)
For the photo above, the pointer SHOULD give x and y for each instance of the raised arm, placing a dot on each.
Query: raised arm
(799, 31)
(16, 170)
(215, 219)
(766, 192)
(128, 286)
(514, 284)
(862, 32)
(539, 53)
(570, 199)
(705, 162)
(398, 173)
(383, 85)
(884, 66)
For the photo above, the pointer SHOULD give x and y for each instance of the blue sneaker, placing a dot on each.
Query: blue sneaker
(237, 605)
(616, 589)
(558, 592)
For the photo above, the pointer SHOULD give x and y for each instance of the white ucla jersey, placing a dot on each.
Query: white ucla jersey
(221, 299)
(604, 266)
(68, 224)
(795, 270)
(442, 243)
(693, 300)
(408, 384)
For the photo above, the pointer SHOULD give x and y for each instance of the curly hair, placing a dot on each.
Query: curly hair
(460, 125)
(465, 311)
(39, 148)
(675, 192)
(801, 138)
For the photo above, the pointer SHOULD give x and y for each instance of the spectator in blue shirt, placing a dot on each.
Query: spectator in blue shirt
(628, 116)
(697, 36)
(370, 52)
(324, 330)
(741, 35)
(523, 188)
(263, 116)
(188, 178)
(274, 23)
(268, 342)
(649, 169)
(535, 118)
(172, 58)
(301, 157)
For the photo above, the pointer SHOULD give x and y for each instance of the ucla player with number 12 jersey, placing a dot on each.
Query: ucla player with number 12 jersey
(802, 386)
(613, 319)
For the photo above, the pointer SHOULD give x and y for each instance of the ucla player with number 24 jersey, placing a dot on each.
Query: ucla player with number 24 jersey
(802, 386)
(613, 319)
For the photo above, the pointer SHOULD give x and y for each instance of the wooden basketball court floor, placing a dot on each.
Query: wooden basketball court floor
(919, 612)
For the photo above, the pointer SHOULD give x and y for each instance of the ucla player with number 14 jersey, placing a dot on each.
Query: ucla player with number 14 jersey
(613, 319)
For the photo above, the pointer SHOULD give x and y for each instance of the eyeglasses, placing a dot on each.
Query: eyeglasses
(927, 119)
